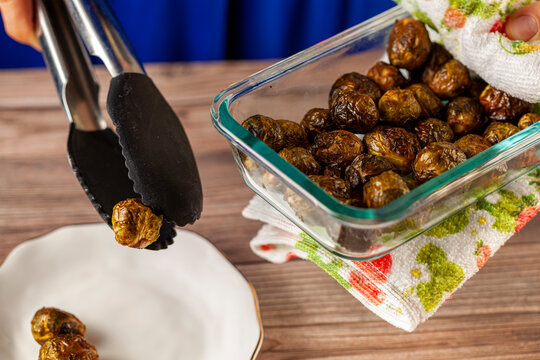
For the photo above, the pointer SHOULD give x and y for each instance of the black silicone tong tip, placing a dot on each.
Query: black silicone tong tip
(157, 152)
(97, 161)
(93, 149)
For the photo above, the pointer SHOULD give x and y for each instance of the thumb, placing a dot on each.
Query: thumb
(524, 24)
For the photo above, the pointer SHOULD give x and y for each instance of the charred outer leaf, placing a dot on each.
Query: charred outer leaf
(336, 148)
(383, 189)
(528, 120)
(500, 106)
(409, 44)
(399, 107)
(451, 80)
(301, 159)
(464, 115)
(364, 167)
(316, 121)
(429, 102)
(433, 130)
(354, 82)
(472, 144)
(134, 224)
(387, 76)
(354, 112)
(435, 159)
(294, 134)
(436, 59)
(265, 129)
(67, 347)
(336, 187)
(396, 144)
(49, 322)
(498, 131)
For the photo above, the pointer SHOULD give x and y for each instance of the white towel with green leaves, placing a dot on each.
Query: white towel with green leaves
(473, 31)
(407, 286)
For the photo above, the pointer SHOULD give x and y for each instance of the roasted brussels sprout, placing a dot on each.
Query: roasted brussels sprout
(500, 106)
(451, 80)
(399, 107)
(435, 159)
(528, 120)
(396, 144)
(387, 76)
(355, 239)
(411, 182)
(364, 167)
(294, 134)
(355, 200)
(134, 224)
(472, 144)
(332, 170)
(67, 347)
(336, 187)
(498, 131)
(336, 148)
(464, 115)
(354, 112)
(316, 121)
(429, 102)
(50, 322)
(265, 129)
(436, 59)
(477, 86)
(433, 130)
(301, 159)
(354, 82)
(409, 44)
(383, 189)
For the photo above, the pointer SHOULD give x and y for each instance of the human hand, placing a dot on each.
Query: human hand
(524, 24)
(19, 21)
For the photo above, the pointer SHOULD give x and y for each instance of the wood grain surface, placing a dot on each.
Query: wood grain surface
(306, 314)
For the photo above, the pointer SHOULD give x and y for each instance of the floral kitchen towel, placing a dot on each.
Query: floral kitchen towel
(473, 31)
(407, 286)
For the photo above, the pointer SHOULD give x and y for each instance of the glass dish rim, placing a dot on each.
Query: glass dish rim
(394, 211)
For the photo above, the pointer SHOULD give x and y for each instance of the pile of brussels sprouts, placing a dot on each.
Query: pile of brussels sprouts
(384, 133)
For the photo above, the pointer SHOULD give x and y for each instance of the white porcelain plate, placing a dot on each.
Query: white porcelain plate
(186, 302)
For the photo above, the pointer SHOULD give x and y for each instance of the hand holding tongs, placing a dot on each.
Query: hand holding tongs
(151, 157)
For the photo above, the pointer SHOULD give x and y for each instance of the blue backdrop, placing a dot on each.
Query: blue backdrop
(199, 30)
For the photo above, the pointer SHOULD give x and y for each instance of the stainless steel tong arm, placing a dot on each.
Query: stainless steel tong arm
(62, 26)
(103, 36)
(69, 65)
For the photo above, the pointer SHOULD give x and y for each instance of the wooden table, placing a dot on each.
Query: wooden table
(306, 314)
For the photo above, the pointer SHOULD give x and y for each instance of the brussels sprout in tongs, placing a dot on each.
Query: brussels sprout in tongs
(151, 157)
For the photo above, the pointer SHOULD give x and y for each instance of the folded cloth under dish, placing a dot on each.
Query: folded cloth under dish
(473, 31)
(407, 286)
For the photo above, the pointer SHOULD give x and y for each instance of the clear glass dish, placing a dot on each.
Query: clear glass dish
(287, 89)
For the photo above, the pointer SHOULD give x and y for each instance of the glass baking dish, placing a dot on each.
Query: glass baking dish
(287, 89)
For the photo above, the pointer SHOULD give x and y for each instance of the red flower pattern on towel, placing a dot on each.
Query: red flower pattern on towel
(483, 254)
(499, 26)
(290, 255)
(370, 275)
(454, 18)
(267, 247)
(525, 216)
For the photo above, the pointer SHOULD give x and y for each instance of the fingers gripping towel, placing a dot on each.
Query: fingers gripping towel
(473, 31)
(408, 285)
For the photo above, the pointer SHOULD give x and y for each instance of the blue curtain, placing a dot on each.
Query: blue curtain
(200, 30)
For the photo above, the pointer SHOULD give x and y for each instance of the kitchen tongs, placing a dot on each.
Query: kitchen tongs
(151, 157)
